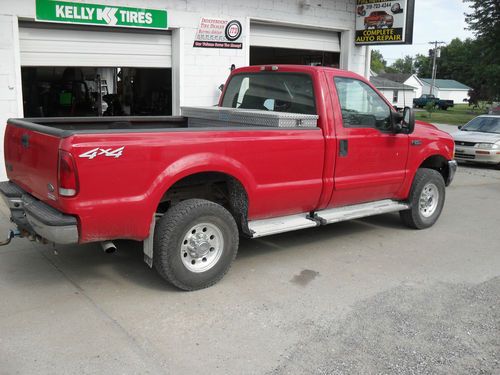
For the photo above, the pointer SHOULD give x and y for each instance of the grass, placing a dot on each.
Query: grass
(460, 114)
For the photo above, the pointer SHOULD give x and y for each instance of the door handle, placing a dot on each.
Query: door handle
(343, 147)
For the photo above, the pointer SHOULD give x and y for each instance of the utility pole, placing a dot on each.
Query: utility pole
(434, 64)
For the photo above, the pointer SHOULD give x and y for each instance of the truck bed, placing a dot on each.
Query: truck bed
(64, 127)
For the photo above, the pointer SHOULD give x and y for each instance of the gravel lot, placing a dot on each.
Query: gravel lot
(363, 297)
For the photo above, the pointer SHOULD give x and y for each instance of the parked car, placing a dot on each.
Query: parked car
(378, 20)
(424, 99)
(289, 147)
(479, 140)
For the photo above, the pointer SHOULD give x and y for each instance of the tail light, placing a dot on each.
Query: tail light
(67, 176)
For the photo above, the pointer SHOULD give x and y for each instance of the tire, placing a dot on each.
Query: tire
(195, 243)
(427, 184)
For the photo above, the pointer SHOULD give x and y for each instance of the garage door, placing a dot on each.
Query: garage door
(279, 36)
(89, 47)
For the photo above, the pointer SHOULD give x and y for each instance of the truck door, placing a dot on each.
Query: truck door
(371, 160)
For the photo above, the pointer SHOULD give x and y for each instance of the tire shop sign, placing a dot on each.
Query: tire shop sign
(384, 22)
(100, 15)
(219, 33)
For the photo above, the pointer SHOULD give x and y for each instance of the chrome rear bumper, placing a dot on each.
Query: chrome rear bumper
(38, 218)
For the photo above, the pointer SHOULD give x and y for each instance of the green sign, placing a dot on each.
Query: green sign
(101, 15)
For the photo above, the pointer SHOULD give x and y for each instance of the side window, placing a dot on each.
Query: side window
(361, 106)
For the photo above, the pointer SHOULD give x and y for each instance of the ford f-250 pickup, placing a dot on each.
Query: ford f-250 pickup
(288, 147)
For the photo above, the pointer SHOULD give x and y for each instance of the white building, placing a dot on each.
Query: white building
(64, 67)
(399, 94)
(446, 89)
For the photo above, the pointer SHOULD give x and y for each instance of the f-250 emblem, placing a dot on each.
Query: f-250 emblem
(109, 152)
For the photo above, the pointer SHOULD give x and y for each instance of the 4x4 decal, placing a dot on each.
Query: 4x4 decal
(109, 152)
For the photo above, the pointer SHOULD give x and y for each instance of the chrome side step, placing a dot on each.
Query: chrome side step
(282, 224)
(334, 215)
(267, 227)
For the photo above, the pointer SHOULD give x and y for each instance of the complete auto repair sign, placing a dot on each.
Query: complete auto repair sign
(384, 22)
(219, 33)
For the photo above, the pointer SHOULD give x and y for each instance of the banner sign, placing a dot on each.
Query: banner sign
(100, 15)
(384, 22)
(219, 33)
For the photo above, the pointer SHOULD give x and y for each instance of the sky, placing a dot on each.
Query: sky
(434, 20)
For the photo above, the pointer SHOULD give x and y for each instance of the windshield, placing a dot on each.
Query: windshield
(279, 92)
(483, 125)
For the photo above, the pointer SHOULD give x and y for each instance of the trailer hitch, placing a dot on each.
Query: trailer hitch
(12, 233)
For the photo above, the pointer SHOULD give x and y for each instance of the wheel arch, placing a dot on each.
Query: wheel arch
(197, 176)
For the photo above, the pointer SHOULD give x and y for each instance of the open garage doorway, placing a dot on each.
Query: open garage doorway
(272, 55)
(88, 91)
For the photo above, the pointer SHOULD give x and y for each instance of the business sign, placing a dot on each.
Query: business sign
(219, 33)
(100, 15)
(384, 22)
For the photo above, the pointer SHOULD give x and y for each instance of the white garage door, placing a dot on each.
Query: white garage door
(70, 47)
(279, 36)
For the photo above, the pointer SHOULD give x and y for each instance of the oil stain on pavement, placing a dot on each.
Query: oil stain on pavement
(305, 277)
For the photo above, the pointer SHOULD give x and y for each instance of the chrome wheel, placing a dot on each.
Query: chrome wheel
(201, 247)
(429, 199)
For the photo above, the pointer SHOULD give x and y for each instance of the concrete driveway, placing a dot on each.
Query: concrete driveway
(362, 297)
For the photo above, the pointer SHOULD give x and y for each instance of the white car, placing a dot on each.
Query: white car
(479, 140)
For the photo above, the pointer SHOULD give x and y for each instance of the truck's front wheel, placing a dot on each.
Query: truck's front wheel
(195, 243)
(426, 199)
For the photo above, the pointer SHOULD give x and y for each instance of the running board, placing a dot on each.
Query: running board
(334, 215)
(267, 227)
(275, 225)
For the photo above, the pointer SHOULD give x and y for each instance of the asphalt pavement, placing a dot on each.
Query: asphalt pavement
(361, 297)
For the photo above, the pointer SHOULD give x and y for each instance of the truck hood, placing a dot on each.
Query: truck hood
(477, 137)
(424, 125)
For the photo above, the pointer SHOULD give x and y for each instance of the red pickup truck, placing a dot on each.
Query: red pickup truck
(288, 147)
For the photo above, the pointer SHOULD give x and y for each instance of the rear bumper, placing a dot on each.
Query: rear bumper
(38, 218)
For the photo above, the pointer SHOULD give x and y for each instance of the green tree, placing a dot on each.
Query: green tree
(423, 65)
(484, 21)
(378, 64)
(404, 65)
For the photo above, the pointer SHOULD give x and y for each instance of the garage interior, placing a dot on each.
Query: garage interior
(67, 70)
(271, 55)
(89, 91)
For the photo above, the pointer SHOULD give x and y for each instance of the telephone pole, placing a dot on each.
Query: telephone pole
(434, 64)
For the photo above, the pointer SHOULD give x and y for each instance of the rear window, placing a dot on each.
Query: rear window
(279, 92)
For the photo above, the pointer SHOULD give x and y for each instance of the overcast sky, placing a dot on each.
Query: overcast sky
(434, 20)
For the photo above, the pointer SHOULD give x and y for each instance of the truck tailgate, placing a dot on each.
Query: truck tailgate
(31, 159)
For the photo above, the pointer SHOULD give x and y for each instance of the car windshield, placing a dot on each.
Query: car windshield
(483, 125)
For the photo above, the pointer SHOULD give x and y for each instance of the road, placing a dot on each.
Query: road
(362, 297)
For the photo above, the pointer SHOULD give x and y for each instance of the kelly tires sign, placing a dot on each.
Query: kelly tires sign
(219, 33)
(381, 22)
(100, 15)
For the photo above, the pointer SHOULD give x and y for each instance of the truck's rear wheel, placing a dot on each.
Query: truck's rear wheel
(195, 243)
(426, 199)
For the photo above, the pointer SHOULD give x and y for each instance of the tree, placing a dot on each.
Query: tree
(423, 66)
(484, 21)
(378, 64)
(404, 65)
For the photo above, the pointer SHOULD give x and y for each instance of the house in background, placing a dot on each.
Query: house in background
(399, 94)
(406, 79)
(446, 89)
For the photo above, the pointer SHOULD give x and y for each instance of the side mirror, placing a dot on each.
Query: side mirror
(408, 121)
(459, 127)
